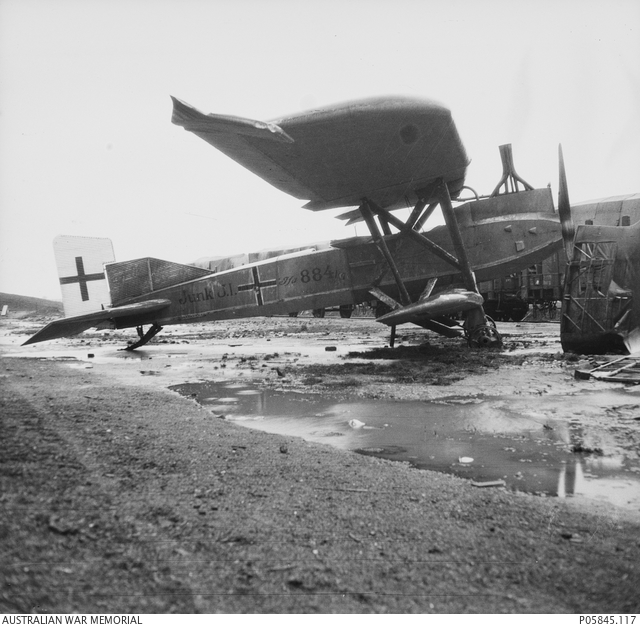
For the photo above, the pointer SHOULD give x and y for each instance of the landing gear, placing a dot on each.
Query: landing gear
(479, 329)
(483, 335)
(144, 337)
(346, 311)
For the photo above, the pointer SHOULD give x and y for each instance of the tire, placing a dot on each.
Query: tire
(346, 311)
(518, 312)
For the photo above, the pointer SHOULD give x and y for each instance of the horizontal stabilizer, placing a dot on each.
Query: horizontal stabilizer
(76, 324)
(441, 304)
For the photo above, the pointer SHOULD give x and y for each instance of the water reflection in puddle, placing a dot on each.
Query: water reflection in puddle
(483, 439)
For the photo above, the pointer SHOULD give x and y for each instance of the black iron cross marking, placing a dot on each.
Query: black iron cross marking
(257, 285)
(82, 278)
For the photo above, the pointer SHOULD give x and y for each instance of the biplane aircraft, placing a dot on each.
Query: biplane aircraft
(377, 155)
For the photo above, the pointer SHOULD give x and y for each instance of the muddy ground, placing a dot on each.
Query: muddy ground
(119, 495)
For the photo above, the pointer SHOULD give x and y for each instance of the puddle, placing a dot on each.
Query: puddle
(529, 444)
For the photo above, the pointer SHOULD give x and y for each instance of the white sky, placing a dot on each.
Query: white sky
(87, 146)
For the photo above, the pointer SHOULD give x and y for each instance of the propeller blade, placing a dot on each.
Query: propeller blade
(564, 208)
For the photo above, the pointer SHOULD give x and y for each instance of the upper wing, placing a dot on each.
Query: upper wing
(77, 324)
(386, 150)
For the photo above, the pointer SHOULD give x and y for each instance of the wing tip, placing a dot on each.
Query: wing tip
(183, 112)
(185, 115)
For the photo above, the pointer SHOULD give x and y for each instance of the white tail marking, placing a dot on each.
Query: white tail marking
(80, 262)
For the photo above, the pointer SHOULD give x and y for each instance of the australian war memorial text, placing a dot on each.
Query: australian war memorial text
(72, 619)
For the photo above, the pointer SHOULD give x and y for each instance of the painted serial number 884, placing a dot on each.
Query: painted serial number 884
(317, 274)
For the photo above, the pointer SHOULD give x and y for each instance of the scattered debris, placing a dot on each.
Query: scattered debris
(572, 537)
(276, 569)
(587, 450)
(622, 370)
(61, 526)
(343, 489)
(499, 483)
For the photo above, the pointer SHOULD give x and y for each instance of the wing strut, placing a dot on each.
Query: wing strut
(454, 232)
(367, 214)
(419, 223)
(418, 237)
(479, 330)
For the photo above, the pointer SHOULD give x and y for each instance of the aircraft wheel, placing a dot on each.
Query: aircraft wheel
(346, 311)
(518, 311)
(293, 314)
(318, 313)
(485, 336)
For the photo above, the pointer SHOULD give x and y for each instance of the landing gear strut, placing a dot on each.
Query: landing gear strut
(144, 337)
(479, 329)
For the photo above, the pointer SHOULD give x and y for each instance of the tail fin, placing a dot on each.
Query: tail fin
(80, 262)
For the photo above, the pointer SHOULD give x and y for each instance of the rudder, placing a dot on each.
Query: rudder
(80, 263)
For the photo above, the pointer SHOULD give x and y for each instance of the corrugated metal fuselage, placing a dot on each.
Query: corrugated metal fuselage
(501, 235)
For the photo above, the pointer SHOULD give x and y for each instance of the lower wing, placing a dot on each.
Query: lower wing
(425, 311)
